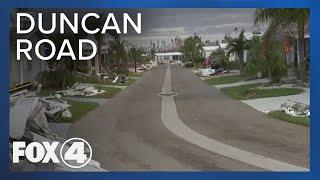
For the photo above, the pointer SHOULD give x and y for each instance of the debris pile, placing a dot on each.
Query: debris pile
(295, 108)
(207, 72)
(81, 90)
(147, 66)
(29, 116)
(214, 70)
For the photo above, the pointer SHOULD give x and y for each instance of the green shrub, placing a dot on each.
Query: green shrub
(90, 79)
(278, 68)
(233, 65)
(123, 71)
(56, 79)
(188, 65)
(256, 62)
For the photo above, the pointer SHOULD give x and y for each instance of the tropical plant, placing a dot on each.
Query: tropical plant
(291, 19)
(59, 79)
(256, 62)
(237, 46)
(135, 55)
(191, 49)
(272, 53)
(223, 58)
(118, 49)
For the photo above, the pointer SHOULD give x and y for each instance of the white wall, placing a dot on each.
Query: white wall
(24, 70)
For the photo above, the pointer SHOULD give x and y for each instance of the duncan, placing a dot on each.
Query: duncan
(110, 23)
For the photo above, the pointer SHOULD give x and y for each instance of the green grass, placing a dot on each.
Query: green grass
(304, 121)
(225, 80)
(96, 80)
(137, 74)
(110, 91)
(109, 82)
(251, 92)
(78, 109)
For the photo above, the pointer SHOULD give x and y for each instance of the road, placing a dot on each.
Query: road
(198, 129)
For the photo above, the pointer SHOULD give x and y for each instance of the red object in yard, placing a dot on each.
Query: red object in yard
(287, 47)
(209, 61)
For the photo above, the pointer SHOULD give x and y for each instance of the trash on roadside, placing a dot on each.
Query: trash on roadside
(207, 72)
(56, 107)
(295, 108)
(147, 66)
(115, 79)
(123, 79)
(29, 115)
(81, 90)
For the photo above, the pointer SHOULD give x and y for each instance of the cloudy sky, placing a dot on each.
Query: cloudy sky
(165, 24)
(210, 24)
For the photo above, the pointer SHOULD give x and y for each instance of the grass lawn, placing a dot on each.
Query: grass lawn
(225, 80)
(137, 74)
(96, 80)
(110, 92)
(78, 109)
(109, 82)
(292, 119)
(250, 92)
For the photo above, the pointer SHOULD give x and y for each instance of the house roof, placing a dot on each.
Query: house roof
(250, 35)
(169, 54)
(223, 45)
(210, 48)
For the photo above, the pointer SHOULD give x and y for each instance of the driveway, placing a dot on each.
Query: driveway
(139, 130)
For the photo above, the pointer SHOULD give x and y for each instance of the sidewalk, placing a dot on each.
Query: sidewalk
(264, 80)
(100, 101)
(106, 85)
(273, 103)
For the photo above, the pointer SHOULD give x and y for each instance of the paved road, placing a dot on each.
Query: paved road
(131, 133)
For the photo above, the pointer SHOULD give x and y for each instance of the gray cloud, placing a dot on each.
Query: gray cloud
(210, 23)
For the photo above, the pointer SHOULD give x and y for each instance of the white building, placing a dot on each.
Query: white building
(168, 57)
(94, 65)
(24, 70)
(208, 50)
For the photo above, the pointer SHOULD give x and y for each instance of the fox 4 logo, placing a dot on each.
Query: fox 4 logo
(45, 152)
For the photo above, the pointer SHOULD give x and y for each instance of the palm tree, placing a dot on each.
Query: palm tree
(223, 58)
(191, 49)
(117, 46)
(135, 55)
(296, 19)
(237, 46)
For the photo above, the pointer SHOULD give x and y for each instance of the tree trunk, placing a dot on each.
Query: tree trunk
(118, 59)
(241, 68)
(98, 60)
(302, 60)
(241, 63)
(193, 61)
(135, 65)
